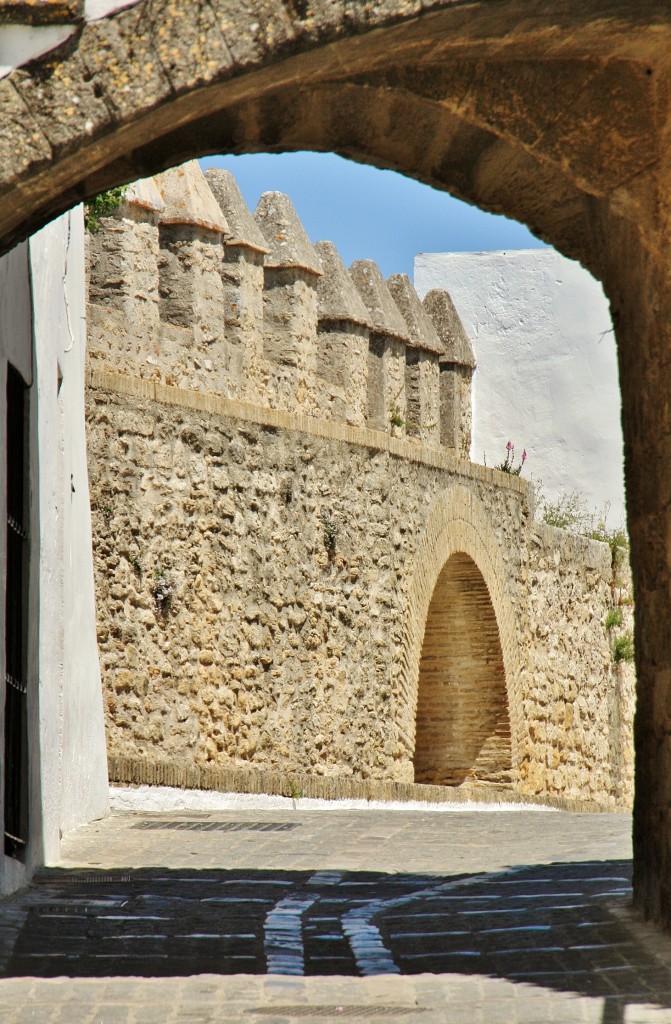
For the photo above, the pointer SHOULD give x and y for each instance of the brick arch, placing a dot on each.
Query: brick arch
(458, 550)
(462, 725)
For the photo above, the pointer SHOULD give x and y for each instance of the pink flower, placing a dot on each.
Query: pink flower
(524, 455)
(509, 446)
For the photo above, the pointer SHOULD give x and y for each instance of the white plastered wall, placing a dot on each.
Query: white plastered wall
(43, 282)
(547, 370)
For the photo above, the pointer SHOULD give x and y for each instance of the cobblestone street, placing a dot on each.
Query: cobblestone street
(276, 915)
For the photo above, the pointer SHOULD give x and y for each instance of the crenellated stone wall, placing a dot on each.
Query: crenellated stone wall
(292, 551)
(194, 291)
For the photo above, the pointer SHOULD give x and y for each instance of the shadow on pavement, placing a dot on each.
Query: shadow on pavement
(551, 925)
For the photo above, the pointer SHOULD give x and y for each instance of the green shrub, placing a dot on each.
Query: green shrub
(623, 648)
(295, 790)
(568, 512)
(571, 512)
(102, 206)
(614, 618)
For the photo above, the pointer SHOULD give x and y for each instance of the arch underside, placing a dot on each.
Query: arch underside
(437, 96)
(463, 725)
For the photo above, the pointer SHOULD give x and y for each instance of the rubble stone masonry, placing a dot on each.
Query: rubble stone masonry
(296, 575)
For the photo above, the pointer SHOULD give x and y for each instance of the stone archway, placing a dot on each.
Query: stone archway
(458, 589)
(463, 96)
(463, 727)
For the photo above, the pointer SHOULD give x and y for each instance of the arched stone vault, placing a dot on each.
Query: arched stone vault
(556, 113)
(499, 99)
(458, 524)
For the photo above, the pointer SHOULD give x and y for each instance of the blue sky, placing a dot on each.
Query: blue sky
(372, 214)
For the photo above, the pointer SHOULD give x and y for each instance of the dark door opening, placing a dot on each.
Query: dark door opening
(16, 690)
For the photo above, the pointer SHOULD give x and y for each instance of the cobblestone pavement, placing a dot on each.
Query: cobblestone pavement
(492, 917)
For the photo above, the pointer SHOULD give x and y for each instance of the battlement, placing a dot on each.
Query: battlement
(189, 288)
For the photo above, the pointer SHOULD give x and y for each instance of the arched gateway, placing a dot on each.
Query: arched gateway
(463, 728)
(461, 646)
(463, 96)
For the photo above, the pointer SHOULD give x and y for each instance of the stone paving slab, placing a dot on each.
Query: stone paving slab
(273, 916)
(429, 842)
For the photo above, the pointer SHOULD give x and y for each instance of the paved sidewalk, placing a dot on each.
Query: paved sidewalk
(498, 917)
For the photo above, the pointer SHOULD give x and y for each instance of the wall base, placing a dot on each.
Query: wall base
(139, 771)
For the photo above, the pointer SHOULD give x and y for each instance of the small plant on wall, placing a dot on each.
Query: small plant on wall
(102, 206)
(397, 420)
(613, 618)
(508, 464)
(163, 591)
(395, 417)
(330, 528)
(569, 511)
(623, 648)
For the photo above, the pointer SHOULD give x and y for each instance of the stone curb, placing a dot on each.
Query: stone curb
(135, 771)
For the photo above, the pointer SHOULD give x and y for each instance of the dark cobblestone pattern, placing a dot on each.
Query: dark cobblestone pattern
(549, 926)
(514, 917)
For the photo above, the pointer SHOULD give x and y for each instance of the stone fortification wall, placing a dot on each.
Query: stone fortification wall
(194, 291)
(278, 494)
(578, 700)
(275, 648)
